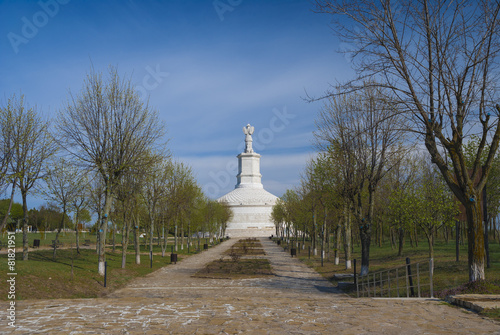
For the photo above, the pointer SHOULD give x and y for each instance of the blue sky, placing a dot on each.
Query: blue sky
(208, 67)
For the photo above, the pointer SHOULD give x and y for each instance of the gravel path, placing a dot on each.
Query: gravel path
(296, 300)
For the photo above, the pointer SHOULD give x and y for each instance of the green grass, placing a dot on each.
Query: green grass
(74, 275)
(493, 313)
(448, 273)
(68, 240)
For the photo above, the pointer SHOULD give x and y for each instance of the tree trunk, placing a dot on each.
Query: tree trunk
(175, 236)
(163, 238)
(401, 237)
(125, 236)
(347, 236)
(6, 216)
(304, 238)
(380, 233)
(411, 239)
(137, 245)
(416, 237)
(125, 239)
(182, 235)
(338, 236)
(114, 235)
(189, 237)
(475, 239)
(486, 244)
(77, 240)
(151, 231)
(365, 235)
(430, 239)
(392, 238)
(314, 234)
(103, 229)
(365, 231)
(77, 233)
(25, 228)
(323, 231)
(59, 231)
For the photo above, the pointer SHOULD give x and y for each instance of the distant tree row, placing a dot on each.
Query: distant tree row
(44, 218)
(105, 154)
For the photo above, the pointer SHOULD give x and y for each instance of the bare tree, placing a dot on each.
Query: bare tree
(63, 183)
(369, 133)
(154, 190)
(32, 148)
(439, 59)
(80, 203)
(7, 144)
(127, 193)
(108, 128)
(182, 190)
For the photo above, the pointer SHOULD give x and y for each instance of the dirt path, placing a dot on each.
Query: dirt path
(294, 301)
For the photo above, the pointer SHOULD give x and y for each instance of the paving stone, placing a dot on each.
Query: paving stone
(296, 300)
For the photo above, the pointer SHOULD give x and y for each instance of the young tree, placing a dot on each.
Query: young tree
(127, 194)
(438, 59)
(33, 146)
(7, 144)
(108, 128)
(369, 132)
(278, 216)
(63, 183)
(400, 199)
(80, 204)
(154, 190)
(182, 190)
(433, 202)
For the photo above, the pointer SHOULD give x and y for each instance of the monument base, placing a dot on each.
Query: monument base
(250, 232)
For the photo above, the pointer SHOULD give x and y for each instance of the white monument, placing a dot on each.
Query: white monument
(250, 203)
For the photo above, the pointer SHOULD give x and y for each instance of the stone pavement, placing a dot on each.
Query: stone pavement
(294, 301)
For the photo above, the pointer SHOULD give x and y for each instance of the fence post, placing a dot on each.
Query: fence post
(368, 282)
(374, 285)
(389, 283)
(410, 279)
(381, 284)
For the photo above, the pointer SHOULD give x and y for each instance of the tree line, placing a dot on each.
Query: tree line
(104, 153)
(426, 77)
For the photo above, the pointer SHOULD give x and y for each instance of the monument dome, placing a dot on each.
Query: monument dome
(250, 202)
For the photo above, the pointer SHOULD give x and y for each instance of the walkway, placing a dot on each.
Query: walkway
(294, 301)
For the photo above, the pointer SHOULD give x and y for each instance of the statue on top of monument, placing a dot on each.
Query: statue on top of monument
(248, 131)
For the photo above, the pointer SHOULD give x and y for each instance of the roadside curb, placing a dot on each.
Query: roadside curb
(475, 302)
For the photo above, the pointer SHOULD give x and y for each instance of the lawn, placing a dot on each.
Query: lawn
(73, 275)
(448, 274)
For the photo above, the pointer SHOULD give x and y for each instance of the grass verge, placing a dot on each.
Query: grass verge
(72, 275)
(448, 274)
